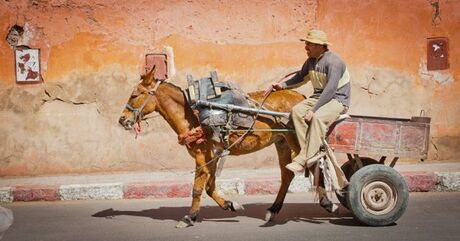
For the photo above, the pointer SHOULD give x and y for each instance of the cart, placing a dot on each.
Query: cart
(377, 194)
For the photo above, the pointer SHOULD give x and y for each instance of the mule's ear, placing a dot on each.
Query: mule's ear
(148, 79)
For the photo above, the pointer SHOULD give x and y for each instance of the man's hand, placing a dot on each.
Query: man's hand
(308, 116)
(273, 87)
(277, 86)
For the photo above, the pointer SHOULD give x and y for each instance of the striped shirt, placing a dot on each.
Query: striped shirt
(329, 76)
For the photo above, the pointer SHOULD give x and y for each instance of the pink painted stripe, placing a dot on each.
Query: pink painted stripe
(266, 185)
(27, 193)
(157, 190)
(420, 181)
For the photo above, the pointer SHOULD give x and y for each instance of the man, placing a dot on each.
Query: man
(331, 82)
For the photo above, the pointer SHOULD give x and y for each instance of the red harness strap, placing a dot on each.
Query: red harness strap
(137, 128)
(197, 135)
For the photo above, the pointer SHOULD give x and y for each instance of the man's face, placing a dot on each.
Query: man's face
(313, 50)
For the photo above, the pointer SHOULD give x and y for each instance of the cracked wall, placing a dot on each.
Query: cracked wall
(92, 53)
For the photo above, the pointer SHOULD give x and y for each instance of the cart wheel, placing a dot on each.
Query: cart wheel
(348, 171)
(377, 195)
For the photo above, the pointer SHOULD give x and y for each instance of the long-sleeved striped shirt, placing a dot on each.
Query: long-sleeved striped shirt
(329, 76)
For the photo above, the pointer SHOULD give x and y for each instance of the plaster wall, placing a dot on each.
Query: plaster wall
(92, 52)
(385, 46)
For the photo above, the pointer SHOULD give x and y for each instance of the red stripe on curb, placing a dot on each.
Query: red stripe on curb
(262, 186)
(157, 190)
(35, 193)
(420, 181)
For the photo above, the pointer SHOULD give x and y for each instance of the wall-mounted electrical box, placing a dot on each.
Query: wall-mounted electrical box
(161, 63)
(437, 54)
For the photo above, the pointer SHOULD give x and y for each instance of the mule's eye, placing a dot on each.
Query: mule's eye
(135, 94)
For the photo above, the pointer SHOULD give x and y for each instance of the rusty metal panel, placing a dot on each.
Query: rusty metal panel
(379, 136)
(382, 136)
(413, 139)
(344, 136)
(160, 61)
(437, 54)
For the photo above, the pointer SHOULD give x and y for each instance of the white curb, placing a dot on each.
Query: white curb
(448, 181)
(91, 191)
(233, 186)
(6, 195)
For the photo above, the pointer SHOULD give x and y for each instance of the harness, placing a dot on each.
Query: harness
(138, 111)
(197, 97)
(253, 112)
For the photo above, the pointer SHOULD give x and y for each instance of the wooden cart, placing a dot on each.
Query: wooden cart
(376, 193)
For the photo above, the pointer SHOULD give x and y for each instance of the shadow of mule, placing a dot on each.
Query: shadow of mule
(295, 212)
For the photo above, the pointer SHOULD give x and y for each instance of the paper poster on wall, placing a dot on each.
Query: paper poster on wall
(27, 65)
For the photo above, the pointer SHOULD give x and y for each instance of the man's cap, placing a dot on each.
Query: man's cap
(317, 37)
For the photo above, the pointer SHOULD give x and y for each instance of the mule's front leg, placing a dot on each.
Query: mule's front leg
(198, 185)
(201, 178)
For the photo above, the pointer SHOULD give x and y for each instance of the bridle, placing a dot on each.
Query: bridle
(138, 111)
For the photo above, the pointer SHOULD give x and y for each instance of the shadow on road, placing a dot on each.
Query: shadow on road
(291, 212)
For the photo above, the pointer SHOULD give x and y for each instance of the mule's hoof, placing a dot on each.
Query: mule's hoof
(329, 206)
(185, 222)
(237, 207)
(335, 209)
(269, 216)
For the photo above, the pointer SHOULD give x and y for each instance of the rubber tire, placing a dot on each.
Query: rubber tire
(348, 171)
(367, 175)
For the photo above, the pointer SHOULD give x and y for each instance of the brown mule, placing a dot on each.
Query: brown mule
(169, 100)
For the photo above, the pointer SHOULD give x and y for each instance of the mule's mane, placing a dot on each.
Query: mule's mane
(173, 85)
(166, 82)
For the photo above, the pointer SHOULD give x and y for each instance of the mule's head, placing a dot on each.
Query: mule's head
(141, 102)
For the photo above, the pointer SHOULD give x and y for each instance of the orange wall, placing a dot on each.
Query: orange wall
(389, 33)
(92, 52)
(391, 37)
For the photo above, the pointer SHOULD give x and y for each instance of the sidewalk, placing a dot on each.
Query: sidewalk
(420, 177)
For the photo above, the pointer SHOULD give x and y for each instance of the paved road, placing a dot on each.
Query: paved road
(430, 216)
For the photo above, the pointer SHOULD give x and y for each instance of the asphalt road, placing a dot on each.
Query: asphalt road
(430, 216)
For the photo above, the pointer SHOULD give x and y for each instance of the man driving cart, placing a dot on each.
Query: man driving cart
(331, 97)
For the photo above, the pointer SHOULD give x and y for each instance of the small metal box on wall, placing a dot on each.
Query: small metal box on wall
(160, 61)
(437, 53)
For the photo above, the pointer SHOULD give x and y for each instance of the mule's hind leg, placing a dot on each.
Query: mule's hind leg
(323, 199)
(284, 158)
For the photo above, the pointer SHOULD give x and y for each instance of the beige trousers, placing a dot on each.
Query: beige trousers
(311, 135)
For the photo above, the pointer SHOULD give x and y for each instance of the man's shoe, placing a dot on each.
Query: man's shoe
(329, 206)
(295, 167)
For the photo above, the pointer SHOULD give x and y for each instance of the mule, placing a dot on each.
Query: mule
(170, 102)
